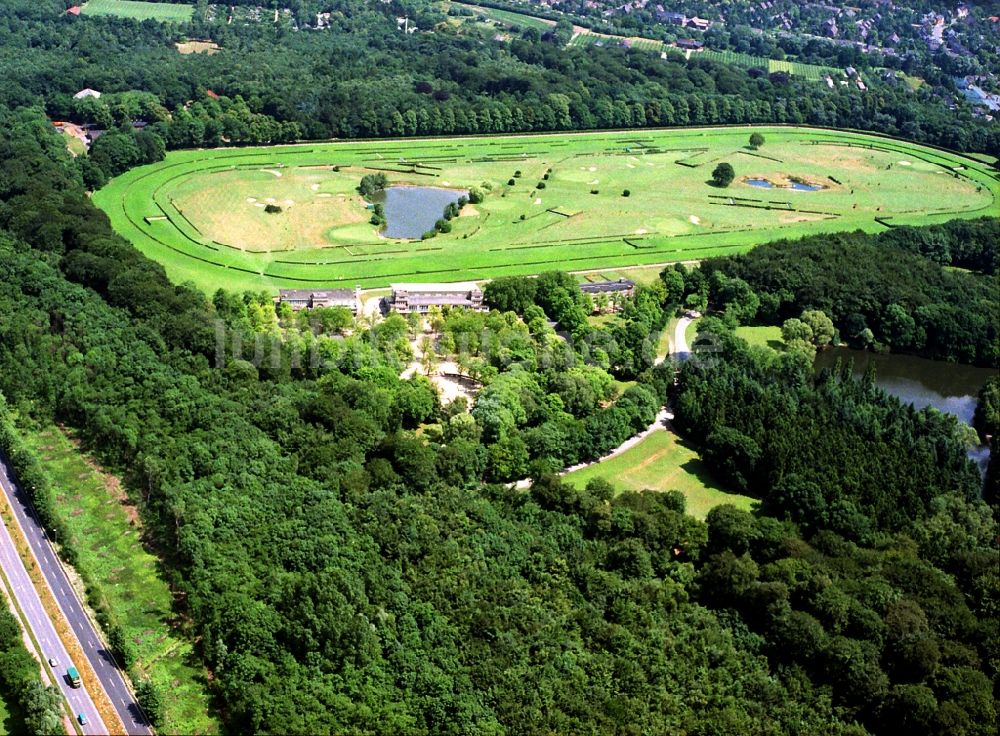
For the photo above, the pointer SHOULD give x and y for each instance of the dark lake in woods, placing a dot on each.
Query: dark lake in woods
(949, 387)
(412, 211)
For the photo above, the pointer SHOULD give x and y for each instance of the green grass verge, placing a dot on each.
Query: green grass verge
(201, 213)
(128, 579)
(663, 462)
(767, 337)
(138, 10)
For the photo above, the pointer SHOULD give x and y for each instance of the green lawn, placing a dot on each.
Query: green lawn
(138, 10)
(113, 560)
(11, 723)
(769, 337)
(663, 462)
(201, 212)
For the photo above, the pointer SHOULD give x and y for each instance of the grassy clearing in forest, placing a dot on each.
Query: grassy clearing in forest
(663, 462)
(551, 201)
(106, 533)
(769, 337)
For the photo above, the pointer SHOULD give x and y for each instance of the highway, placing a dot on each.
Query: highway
(45, 633)
(101, 660)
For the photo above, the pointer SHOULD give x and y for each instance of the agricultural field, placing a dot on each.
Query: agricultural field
(662, 462)
(552, 201)
(138, 10)
(127, 578)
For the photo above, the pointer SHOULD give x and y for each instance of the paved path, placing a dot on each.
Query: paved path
(110, 677)
(44, 632)
(678, 347)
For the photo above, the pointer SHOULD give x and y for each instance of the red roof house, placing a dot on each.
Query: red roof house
(75, 10)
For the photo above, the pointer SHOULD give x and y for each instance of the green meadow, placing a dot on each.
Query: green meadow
(550, 201)
(138, 10)
(662, 462)
(126, 577)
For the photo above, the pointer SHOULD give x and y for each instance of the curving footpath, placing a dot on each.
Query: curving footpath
(110, 676)
(679, 348)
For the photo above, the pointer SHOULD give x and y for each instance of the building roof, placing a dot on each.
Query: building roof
(453, 288)
(604, 287)
(290, 294)
(86, 92)
(75, 10)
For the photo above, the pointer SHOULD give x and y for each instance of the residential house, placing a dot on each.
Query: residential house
(88, 92)
(689, 44)
(609, 295)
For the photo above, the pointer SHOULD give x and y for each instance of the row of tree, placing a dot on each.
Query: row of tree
(886, 291)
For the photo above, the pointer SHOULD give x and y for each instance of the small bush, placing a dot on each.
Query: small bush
(475, 196)
(522, 217)
(541, 185)
(510, 182)
(626, 193)
(517, 174)
(545, 177)
(272, 209)
(595, 191)
(429, 234)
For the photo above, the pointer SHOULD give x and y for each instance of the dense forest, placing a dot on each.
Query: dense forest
(348, 571)
(905, 302)
(349, 551)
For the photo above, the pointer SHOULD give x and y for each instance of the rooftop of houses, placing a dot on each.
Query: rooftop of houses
(607, 287)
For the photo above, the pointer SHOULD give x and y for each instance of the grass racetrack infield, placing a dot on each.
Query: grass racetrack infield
(201, 212)
(662, 462)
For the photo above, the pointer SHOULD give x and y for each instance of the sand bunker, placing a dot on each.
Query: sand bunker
(592, 168)
(641, 231)
(632, 158)
(270, 199)
(631, 166)
(314, 187)
(273, 171)
(595, 181)
(905, 163)
(538, 201)
(260, 204)
(695, 220)
(289, 202)
(251, 200)
(324, 194)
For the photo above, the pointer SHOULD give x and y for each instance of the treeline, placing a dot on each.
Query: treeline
(968, 244)
(454, 81)
(879, 292)
(772, 430)
(987, 424)
(20, 678)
